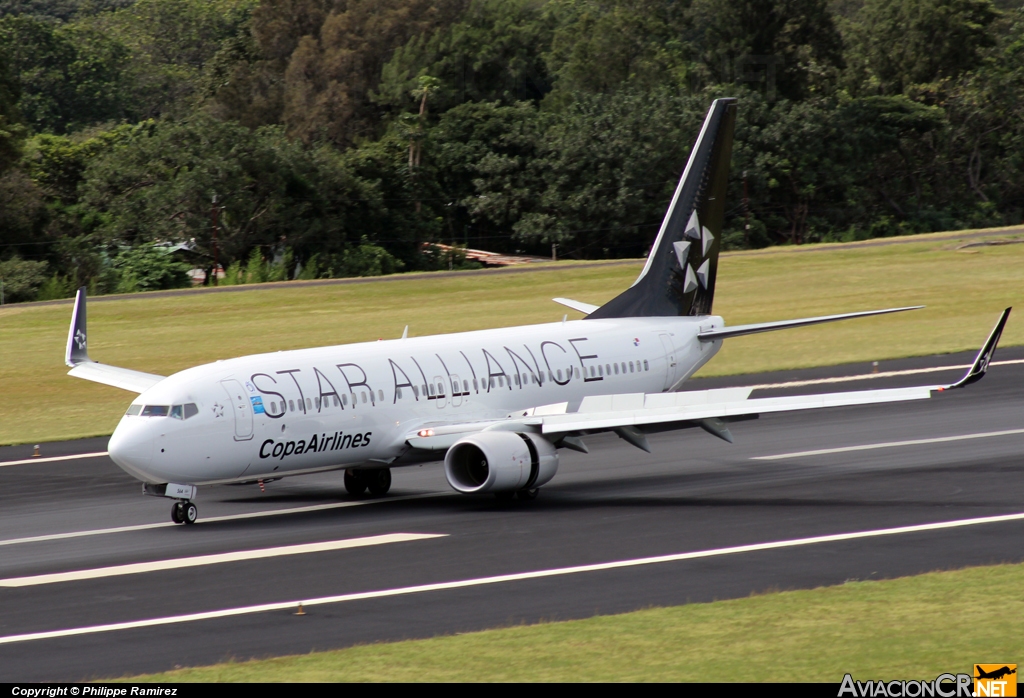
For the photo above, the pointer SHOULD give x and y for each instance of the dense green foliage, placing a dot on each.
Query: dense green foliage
(287, 138)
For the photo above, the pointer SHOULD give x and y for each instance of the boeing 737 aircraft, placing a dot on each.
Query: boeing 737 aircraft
(495, 405)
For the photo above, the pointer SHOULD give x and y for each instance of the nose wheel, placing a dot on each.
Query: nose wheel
(184, 512)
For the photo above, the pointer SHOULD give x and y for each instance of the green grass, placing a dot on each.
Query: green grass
(908, 628)
(964, 291)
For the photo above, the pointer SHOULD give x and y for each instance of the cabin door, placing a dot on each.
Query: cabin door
(670, 360)
(240, 408)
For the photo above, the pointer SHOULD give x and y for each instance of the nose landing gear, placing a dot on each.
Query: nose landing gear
(184, 512)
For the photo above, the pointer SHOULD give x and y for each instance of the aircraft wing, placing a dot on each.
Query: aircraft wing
(76, 356)
(631, 416)
(123, 378)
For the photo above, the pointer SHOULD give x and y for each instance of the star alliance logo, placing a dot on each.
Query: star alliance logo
(218, 410)
(80, 339)
(698, 233)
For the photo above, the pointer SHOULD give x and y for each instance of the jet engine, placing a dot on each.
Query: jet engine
(500, 461)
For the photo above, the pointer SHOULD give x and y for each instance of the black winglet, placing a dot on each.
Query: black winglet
(977, 370)
(76, 352)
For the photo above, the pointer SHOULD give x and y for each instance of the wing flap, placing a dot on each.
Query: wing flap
(600, 421)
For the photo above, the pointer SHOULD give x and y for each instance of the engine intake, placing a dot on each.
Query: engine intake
(500, 461)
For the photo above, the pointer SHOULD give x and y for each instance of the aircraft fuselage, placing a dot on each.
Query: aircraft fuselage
(291, 412)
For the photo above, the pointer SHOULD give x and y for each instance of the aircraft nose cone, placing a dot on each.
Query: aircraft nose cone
(131, 448)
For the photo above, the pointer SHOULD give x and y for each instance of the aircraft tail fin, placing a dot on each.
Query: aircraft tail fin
(679, 276)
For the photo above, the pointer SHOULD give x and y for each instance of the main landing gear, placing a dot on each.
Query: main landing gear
(184, 512)
(377, 481)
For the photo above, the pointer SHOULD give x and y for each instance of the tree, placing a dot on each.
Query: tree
(170, 43)
(149, 268)
(70, 76)
(11, 132)
(271, 192)
(21, 278)
(796, 41)
(593, 177)
(63, 10)
(899, 43)
(494, 52)
(600, 47)
(321, 60)
(985, 134)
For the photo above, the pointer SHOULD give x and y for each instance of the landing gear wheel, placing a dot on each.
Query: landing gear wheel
(191, 513)
(354, 484)
(177, 513)
(528, 495)
(504, 496)
(378, 481)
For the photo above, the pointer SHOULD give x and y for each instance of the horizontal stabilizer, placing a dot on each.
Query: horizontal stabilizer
(585, 308)
(740, 330)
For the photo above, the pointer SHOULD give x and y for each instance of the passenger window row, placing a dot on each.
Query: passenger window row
(187, 410)
(522, 380)
(617, 368)
(312, 403)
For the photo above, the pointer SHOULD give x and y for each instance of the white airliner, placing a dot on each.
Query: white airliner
(495, 405)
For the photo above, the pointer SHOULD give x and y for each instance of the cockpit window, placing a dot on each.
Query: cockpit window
(184, 411)
(134, 410)
(155, 410)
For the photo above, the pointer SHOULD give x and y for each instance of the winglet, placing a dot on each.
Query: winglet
(76, 352)
(977, 370)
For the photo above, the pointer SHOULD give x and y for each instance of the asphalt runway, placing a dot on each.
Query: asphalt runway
(695, 493)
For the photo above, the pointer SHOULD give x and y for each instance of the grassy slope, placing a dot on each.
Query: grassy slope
(910, 628)
(964, 291)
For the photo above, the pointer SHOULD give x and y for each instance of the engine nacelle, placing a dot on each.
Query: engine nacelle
(500, 461)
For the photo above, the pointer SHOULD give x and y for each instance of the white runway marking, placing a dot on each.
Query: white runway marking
(882, 374)
(214, 559)
(889, 444)
(52, 459)
(521, 576)
(215, 519)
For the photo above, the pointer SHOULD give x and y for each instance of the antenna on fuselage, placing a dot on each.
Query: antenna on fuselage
(405, 332)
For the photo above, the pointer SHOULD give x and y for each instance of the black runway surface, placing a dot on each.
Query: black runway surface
(694, 493)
